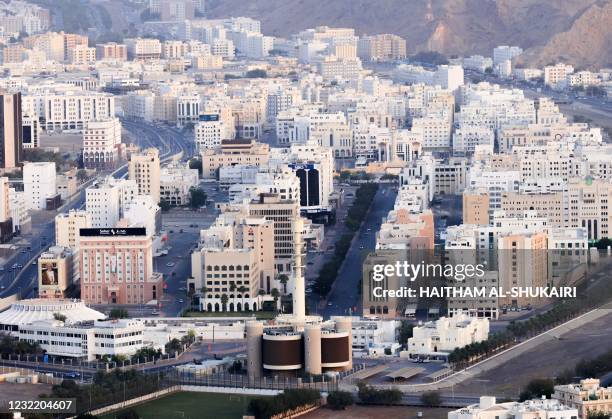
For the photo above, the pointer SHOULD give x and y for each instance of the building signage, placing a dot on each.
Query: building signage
(113, 232)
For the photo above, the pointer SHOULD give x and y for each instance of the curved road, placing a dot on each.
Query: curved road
(171, 144)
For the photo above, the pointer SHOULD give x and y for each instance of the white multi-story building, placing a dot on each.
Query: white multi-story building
(143, 212)
(143, 48)
(210, 131)
(331, 67)
(86, 341)
(18, 207)
(465, 139)
(588, 396)
(505, 53)
(102, 143)
(69, 110)
(175, 184)
(436, 129)
(556, 76)
(488, 408)
(441, 336)
(314, 167)
(449, 77)
(103, 205)
(477, 63)
(188, 109)
(39, 183)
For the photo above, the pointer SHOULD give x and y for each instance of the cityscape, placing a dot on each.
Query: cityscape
(265, 210)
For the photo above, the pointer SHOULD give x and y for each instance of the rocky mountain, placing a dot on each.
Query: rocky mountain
(578, 31)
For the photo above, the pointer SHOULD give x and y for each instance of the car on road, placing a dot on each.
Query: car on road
(72, 374)
(329, 304)
(34, 263)
(362, 247)
(155, 313)
(170, 264)
(181, 301)
(19, 266)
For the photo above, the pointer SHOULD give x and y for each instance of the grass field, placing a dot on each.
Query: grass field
(192, 406)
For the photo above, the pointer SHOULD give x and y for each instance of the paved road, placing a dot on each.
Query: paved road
(479, 378)
(347, 290)
(23, 280)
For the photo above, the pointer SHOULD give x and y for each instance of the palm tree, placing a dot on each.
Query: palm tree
(242, 290)
(224, 299)
(283, 280)
(275, 294)
(233, 290)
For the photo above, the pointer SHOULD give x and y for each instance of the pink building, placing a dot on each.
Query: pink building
(116, 266)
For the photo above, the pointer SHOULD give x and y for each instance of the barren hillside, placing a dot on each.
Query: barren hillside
(579, 31)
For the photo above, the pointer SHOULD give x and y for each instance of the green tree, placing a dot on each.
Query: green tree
(224, 299)
(405, 332)
(275, 294)
(256, 74)
(242, 290)
(196, 164)
(431, 398)
(598, 415)
(164, 205)
(81, 175)
(198, 197)
(283, 279)
(340, 400)
(173, 346)
(537, 388)
(118, 313)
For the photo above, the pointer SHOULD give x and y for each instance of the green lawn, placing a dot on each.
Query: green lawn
(262, 315)
(192, 406)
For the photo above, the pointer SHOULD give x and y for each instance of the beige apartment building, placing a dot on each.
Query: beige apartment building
(476, 206)
(589, 206)
(232, 153)
(82, 55)
(522, 262)
(588, 396)
(116, 267)
(549, 205)
(111, 51)
(68, 225)
(382, 47)
(237, 261)
(144, 169)
(284, 214)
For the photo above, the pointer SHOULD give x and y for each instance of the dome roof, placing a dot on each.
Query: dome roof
(36, 309)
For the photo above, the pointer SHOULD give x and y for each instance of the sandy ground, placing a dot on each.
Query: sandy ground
(12, 391)
(544, 361)
(66, 142)
(376, 412)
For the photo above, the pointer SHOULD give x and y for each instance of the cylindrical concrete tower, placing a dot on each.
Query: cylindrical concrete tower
(254, 334)
(312, 349)
(299, 289)
(344, 324)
